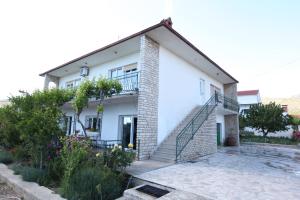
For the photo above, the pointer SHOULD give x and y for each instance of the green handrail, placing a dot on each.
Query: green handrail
(188, 132)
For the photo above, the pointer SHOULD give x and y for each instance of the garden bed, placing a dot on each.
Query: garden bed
(269, 140)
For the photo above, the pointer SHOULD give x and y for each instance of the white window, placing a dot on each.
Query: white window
(91, 123)
(73, 84)
(202, 87)
(114, 73)
(124, 70)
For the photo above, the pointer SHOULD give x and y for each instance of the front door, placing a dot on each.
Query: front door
(69, 125)
(219, 133)
(128, 130)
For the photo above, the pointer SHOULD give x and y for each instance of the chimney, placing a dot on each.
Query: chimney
(167, 22)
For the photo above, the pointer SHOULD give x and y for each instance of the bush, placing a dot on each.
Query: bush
(6, 157)
(270, 140)
(74, 153)
(94, 183)
(117, 159)
(246, 133)
(31, 174)
(230, 141)
(296, 135)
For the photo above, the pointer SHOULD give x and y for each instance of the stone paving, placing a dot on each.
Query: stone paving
(7, 192)
(249, 172)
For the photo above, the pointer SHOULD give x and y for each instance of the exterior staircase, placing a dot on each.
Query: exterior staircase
(166, 152)
(194, 132)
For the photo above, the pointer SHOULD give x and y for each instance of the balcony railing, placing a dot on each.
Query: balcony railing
(228, 103)
(129, 82)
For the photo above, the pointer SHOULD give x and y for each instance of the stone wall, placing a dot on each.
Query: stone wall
(232, 126)
(204, 141)
(148, 97)
(231, 121)
(230, 90)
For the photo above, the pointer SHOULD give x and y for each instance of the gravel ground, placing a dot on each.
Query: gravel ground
(7, 193)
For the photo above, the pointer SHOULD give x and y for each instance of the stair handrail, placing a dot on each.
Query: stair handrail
(184, 135)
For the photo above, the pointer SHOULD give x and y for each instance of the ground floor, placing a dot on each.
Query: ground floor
(248, 172)
(123, 122)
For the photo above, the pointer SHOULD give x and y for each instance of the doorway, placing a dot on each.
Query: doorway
(69, 125)
(128, 128)
(219, 126)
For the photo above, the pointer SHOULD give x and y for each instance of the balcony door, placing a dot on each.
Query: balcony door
(128, 129)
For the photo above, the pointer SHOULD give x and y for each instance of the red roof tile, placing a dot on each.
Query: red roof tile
(247, 92)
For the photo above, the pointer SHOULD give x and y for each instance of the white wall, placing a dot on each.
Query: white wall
(110, 122)
(249, 99)
(102, 69)
(179, 90)
(288, 133)
(111, 115)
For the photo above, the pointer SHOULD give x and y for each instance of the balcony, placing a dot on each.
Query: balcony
(227, 103)
(129, 82)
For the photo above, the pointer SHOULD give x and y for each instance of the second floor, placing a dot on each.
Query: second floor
(157, 58)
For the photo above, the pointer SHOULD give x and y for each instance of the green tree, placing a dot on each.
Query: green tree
(38, 120)
(100, 89)
(267, 118)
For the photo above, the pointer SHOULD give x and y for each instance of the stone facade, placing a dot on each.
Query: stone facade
(231, 121)
(232, 126)
(204, 141)
(230, 90)
(147, 124)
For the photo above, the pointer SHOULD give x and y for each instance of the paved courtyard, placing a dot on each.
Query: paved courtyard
(248, 172)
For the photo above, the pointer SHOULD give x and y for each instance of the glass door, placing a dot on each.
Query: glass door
(128, 130)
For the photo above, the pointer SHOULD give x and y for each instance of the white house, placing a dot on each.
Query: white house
(176, 102)
(247, 98)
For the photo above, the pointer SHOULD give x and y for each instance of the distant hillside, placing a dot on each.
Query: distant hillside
(3, 102)
(293, 103)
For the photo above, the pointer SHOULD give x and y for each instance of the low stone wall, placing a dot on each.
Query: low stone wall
(29, 190)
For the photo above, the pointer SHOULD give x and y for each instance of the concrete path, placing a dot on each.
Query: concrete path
(140, 167)
(248, 172)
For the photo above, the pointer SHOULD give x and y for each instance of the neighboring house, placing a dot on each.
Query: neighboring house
(247, 98)
(176, 102)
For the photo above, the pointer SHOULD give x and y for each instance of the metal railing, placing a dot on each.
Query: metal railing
(228, 103)
(188, 132)
(104, 144)
(129, 82)
(192, 127)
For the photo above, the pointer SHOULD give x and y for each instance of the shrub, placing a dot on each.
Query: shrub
(246, 133)
(74, 152)
(230, 141)
(94, 183)
(31, 174)
(117, 159)
(296, 135)
(6, 157)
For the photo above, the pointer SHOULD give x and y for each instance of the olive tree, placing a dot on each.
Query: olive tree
(100, 89)
(267, 118)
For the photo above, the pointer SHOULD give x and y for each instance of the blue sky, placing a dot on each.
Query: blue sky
(256, 41)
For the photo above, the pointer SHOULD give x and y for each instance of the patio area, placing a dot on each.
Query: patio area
(248, 172)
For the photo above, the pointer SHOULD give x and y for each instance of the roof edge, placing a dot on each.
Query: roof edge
(167, 23)
(107, 46)
(198, 51)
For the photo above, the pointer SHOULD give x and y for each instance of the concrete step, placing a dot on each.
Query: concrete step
(166, 153)
(163, 159)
